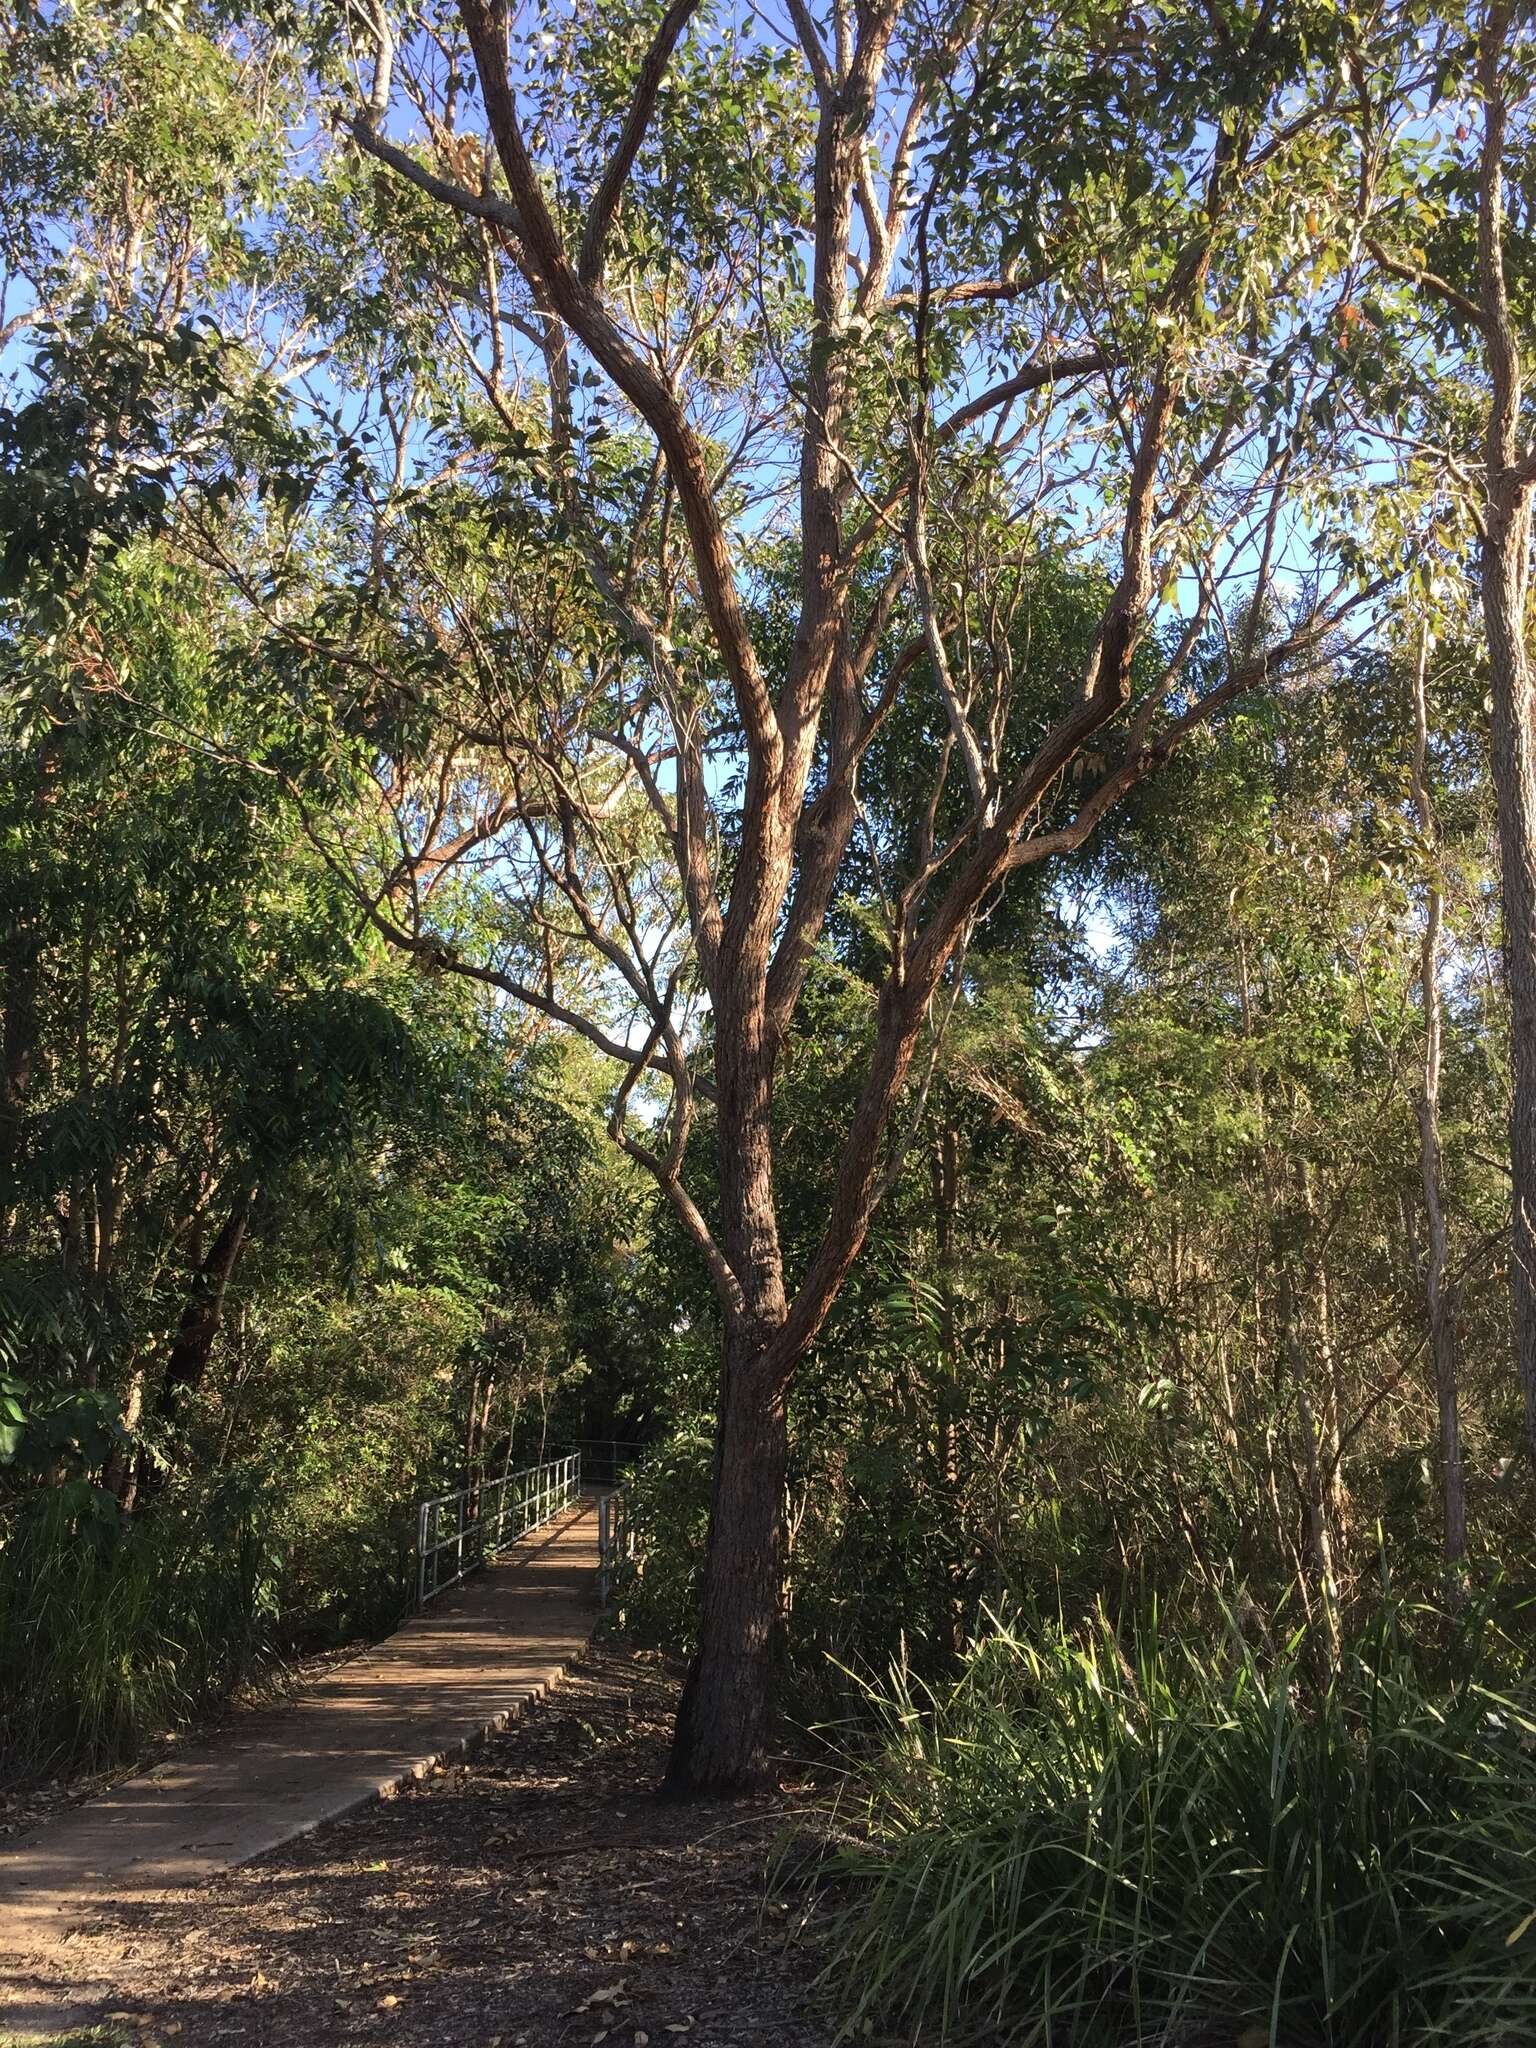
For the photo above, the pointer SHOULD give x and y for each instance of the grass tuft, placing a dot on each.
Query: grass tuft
(114, 1627)
(1101, 1842)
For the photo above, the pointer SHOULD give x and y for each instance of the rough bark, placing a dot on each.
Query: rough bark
(721, 1743)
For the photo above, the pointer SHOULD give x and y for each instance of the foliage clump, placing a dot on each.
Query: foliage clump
(1122, 1836)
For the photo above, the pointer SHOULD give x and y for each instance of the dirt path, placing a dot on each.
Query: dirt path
(471, 1662)
(535, 1896)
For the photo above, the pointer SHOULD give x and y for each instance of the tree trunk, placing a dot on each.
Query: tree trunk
(21, 970)
(946, 1202)
(1333, 1414)
(1514, 776)
(201, 1318)
(1504, 566)
(203, 1314)
(1440, 1296)
(720, 1745)
(1320, 1528)
(120, 1474)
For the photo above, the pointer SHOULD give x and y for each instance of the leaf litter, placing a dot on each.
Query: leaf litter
(532, 1896)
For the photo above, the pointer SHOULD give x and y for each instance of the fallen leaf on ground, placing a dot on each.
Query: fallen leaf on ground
(606, 1994)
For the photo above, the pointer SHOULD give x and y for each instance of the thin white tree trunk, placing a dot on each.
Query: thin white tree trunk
(1439, 1292)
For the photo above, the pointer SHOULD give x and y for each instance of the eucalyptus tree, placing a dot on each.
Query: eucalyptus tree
(1439, 218)
(684, 396)
(906, 306)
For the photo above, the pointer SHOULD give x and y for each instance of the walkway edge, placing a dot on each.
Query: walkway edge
(456, 1748)
(453, 1751)
(464, 1670)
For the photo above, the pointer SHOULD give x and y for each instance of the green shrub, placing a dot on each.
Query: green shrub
(666, 1495)
(115, 1627)
(1086, 1842)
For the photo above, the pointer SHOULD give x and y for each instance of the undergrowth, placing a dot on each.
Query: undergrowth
(115, 1627)
(1104, 1838)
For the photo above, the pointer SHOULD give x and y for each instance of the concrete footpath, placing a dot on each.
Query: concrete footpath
(448, 1677)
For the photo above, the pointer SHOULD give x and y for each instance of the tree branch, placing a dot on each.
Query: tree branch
(477, 206)
(542, 253)
(610, 191)
(1427, 280)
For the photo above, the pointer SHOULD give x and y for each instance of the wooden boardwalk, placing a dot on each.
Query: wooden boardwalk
(468, 1665)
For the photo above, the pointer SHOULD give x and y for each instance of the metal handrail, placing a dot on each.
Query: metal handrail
(478, 1522)
(615, 1541)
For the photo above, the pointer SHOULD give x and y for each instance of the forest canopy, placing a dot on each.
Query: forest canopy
(801, 736)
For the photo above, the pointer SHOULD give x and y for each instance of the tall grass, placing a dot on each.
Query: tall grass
(113, 1628)
(1087, 1841)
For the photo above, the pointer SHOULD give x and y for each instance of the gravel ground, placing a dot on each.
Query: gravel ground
(537, 1896)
